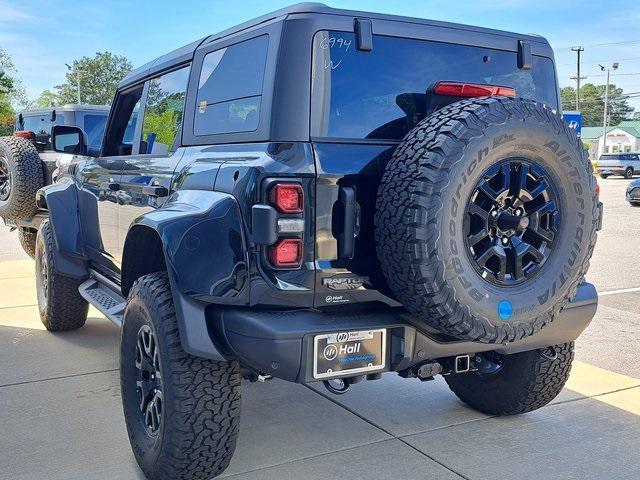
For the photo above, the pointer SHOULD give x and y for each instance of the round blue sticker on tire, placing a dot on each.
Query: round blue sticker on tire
(505, 309)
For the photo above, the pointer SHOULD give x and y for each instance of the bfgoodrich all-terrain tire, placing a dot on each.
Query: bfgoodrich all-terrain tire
(525, 381)
(61, 305)
(182, 412)
(486, 219)
(27, 237)
(21, 175)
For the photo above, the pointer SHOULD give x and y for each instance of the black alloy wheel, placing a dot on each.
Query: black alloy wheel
(511, 221)
(149, 380)
(5, 179)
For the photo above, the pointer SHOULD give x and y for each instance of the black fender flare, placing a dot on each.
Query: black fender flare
(61, 202)
(207, 259)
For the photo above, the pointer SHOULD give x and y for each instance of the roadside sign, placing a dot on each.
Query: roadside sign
(574, 120)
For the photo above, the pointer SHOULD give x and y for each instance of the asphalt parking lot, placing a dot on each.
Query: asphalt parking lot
(60, 415)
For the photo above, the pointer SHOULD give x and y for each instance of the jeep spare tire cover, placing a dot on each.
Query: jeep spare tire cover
(21, 175)
(486, 219)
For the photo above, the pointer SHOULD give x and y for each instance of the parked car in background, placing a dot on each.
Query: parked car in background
(625, 164)
(28, 161)
(633, 193)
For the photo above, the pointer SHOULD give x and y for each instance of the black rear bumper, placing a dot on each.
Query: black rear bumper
(280, 343)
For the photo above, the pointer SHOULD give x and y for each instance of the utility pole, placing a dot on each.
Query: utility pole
(78, 82)
(577, 78)
(606, 106)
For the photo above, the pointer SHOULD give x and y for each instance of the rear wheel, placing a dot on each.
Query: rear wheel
(522, 382)
(27, 237)
(182, 412)
(628, 173)
(61, 305)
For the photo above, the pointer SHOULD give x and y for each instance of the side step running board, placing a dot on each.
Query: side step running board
(108, 302)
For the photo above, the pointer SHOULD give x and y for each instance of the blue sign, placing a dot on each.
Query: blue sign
(574, 120)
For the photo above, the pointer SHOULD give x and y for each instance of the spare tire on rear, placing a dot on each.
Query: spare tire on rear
(486, 219)
(21, 175)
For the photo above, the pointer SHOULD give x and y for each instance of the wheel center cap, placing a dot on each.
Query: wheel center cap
(507, 221)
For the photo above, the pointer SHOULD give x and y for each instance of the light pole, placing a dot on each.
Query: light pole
(78, 81)
(606, 106)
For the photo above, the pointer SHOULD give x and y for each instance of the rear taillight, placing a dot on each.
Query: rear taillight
(287, 253)
(287, 197)
(597, 191)
(470, 90)
(24, 134)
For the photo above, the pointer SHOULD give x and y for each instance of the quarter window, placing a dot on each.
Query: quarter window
(230, 88)
(163, 113)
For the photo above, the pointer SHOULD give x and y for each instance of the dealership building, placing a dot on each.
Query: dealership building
(624, 137)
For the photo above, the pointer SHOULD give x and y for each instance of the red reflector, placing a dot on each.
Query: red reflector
(597, 189)
(286, 253)
(456, 89)
(24, 134)
(288, 197)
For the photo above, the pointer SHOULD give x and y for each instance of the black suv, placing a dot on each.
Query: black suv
(325, 195)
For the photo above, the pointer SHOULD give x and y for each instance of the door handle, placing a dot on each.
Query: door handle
(157, 191)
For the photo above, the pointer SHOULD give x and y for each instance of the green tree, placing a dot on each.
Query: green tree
(8, 86)
(99, 77)
(46, 99)
(592, 103)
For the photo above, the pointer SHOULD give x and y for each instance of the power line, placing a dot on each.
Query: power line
(632, 59)
(624, 42)
(615, 74)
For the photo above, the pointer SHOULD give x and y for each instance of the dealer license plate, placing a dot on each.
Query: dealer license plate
(339, 354)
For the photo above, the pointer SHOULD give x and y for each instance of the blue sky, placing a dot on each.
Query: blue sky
(43, 35)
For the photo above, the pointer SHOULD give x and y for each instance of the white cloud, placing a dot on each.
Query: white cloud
(11, 14)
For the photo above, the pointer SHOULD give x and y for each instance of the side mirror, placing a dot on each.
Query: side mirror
(66, 139)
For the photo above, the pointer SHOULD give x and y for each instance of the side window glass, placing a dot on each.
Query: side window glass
(230, 88)
(163, 113)
(120, 132)
(94, 127)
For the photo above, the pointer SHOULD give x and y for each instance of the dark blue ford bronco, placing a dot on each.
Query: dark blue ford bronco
(325, 195)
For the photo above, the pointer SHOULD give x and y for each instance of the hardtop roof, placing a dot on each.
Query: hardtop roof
(186, 52)
(70, 107)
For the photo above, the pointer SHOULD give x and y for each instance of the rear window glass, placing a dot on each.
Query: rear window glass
(94, 128)
(382, 94)
(39, 124)
(230, 88)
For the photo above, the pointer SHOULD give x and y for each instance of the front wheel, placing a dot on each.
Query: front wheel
(604, 175)
(522, 382)
(60, 304)
(182, 412)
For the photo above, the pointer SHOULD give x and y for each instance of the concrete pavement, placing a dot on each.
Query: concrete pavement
(60, 413)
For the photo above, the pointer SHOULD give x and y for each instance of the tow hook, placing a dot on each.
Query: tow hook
(337, 386)
(548, 353)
